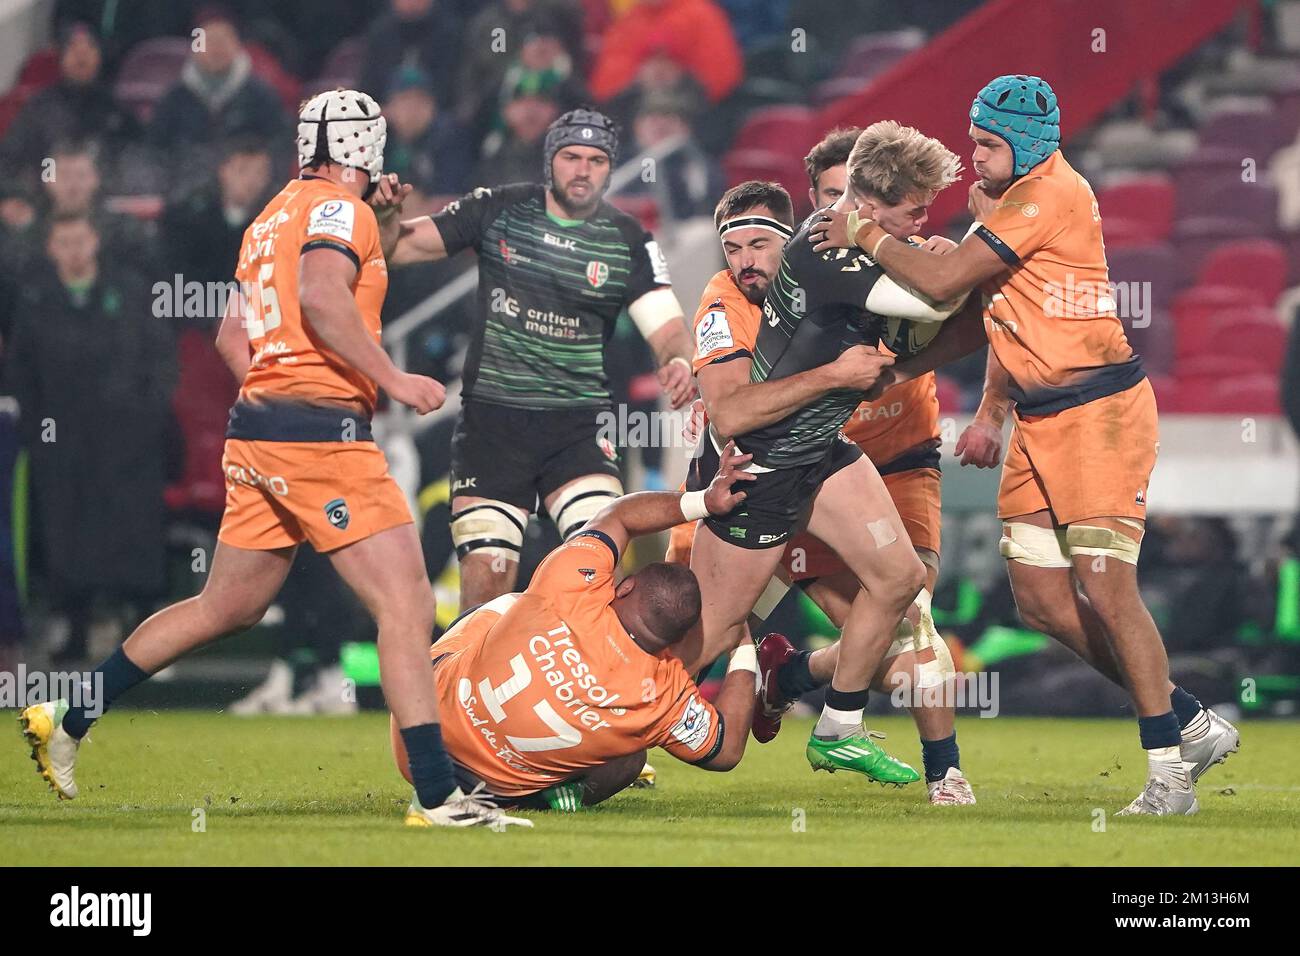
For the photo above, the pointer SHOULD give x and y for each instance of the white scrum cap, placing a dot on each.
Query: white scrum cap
(343, 127)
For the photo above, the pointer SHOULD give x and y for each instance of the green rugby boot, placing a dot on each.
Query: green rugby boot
(860, 755)
(564, 797)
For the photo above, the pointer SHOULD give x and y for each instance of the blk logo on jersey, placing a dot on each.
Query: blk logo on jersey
(337, 512)
(597, 273)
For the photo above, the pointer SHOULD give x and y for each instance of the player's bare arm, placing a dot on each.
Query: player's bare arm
(411, 240)
(659, 316)
(938, 277)
(649, 512)
(232, 338)
(325, 291)
(735, 703)
(980, 444)
(960, 336)
(737, 406)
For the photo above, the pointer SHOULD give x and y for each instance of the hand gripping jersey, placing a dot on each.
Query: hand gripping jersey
(1052, 321)
(290, 363)
(536, 687)
(549, 294)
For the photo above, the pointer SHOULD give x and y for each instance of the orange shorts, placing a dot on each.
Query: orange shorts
(916, 494)
(331, 494)
(1089, 461)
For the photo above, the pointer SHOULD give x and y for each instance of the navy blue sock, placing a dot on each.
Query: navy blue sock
(1185, 706)
(431, 770)
(1160, 731)
(845, 699)
(109, 681)
(939, 755)
(795, 679)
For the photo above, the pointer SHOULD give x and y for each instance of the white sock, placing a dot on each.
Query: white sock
(1167, 764)
(838, 724)
(1198, 727)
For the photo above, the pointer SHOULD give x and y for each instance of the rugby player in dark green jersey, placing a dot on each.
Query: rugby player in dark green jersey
(812, 362)
(557, 265)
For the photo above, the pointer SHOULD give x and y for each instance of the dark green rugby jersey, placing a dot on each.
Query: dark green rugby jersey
(549, 293)
(814, 310)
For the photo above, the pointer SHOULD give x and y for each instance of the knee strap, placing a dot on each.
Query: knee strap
(1030, 544)
(492, 527)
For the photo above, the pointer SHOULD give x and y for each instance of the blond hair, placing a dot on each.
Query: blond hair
(892, 162)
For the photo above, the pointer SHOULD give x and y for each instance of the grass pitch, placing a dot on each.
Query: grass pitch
(323, 791)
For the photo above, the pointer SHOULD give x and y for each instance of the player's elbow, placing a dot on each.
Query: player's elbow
(726, 417)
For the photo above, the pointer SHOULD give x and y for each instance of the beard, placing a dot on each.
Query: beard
(576, 209)
(756, 292)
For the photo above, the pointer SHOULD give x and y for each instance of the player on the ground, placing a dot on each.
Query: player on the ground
(784, 401)
(300, 463)
(1074, 483)
(550, 698)
(557, 265)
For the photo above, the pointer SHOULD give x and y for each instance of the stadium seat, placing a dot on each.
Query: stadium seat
(1145, 204)
(148, 71)
(1257, 264)
(1251, 133)
(1200, 173)
(1251, 337)
(1196, 313)
(1257, 394)
(870, 55)
(742, 164)
(1153, 341)
(204, 393)
(837, 88)
(1153, 264)
(777, 128)
(1195, 239)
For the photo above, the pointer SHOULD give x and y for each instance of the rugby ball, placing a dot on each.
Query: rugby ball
(906, 337)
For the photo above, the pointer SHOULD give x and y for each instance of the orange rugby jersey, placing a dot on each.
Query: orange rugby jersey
(726, 323)
(1052, 322)
(290, 362)
(540, 686)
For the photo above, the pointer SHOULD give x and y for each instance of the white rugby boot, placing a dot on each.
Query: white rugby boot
(462, 810)
(952, 790)
(53, 748)
(1211, 747)
(1161, 799)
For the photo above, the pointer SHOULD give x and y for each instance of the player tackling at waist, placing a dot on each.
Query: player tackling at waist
(550, 698)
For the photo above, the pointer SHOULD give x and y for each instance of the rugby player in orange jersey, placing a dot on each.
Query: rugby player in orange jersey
(300, 463)
(551, 697)
(1074, 483)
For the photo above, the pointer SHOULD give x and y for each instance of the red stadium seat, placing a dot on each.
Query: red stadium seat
(1257, 394)
(778, 128)
(148, 71)
(1214, 367)
(1250, 337)
(1257, 264)
(204, 393)
(1196, 313)
(1194, 239)
(743, 164)
(1251, 133)
(1141, 207)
